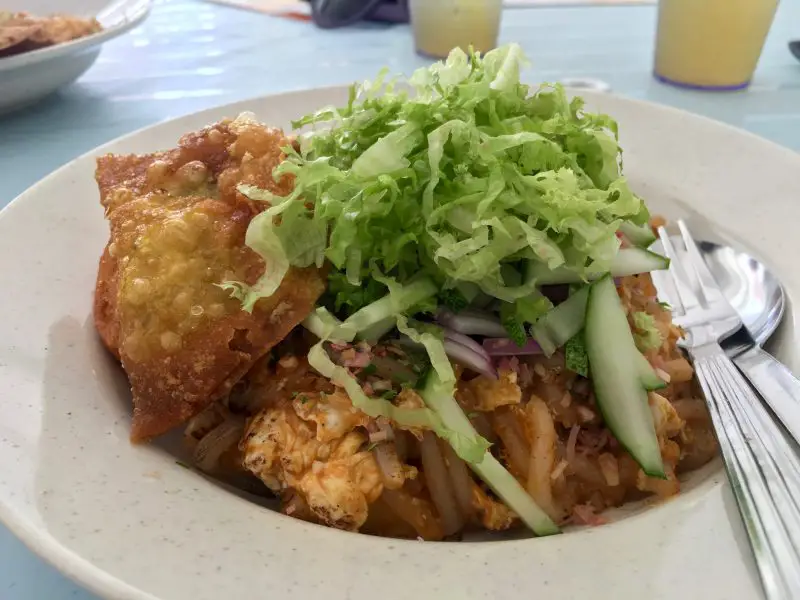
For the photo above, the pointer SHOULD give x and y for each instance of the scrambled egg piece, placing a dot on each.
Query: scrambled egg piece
(486, 394)
(667, 422)
(493, 515)
(334, 414)
(312, 447)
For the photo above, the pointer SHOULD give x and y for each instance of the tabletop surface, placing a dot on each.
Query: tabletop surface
(190, 55)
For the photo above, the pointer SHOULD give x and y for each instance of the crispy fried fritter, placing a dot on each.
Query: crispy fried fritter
(21, 32)
(210, 162)
(177, 231)
(105, 302)
(12, 35)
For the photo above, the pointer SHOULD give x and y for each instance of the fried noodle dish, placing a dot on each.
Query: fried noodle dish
(428, 313)
(22, 32)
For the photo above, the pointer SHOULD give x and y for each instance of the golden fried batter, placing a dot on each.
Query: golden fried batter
(177, 231)
(21, 32)
(210, 162)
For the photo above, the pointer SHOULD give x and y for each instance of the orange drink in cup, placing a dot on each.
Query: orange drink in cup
(711, 44)
(441, 25)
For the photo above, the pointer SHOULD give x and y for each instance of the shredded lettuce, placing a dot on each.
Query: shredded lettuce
(325, 326)
(374, 407)
(399, 300)
(646, 333)
(433, 346)
(439, 396)
(443, 415)
(459, 175)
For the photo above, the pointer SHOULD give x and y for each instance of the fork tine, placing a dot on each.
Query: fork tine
(665, 285)
(705, 279)
(680, 278)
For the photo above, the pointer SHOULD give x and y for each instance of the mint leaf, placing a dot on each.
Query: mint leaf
(576, 358)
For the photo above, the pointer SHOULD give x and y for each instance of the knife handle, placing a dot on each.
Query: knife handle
(776, 384)
(763, 470)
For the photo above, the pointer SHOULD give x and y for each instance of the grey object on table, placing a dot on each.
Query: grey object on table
(762, 464)
(330, 14)
(760, 296)
(759, 299)
(752, 289)
(794, 48)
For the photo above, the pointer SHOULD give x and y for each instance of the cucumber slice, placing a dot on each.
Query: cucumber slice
(514, 495)
(647, 375)
(439, 398)
(616, 377)
(628, 261)
(638, 235)
(558, 326)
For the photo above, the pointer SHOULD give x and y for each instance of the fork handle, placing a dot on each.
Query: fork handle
(763, 469)
(776, 384)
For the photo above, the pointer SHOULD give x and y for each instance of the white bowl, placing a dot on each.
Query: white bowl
(30, 76)
(129, 522)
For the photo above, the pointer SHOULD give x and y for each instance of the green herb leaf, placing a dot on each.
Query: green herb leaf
(513, 326)
(453, 299)
(577, 360)
(370, 369)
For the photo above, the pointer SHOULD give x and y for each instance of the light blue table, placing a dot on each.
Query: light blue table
(190, 55)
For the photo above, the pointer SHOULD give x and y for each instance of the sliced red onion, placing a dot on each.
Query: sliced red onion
(507, 347)
(462, 339)
(467, 357)
(471, 322)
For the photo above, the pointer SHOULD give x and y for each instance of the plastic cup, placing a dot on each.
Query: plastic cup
(441, 25)
(711, 44)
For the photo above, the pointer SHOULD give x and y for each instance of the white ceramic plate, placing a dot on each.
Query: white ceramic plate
(129, 522)
(27, 77)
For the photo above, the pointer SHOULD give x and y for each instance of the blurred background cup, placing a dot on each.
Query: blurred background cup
(441, 25)
(711, 44)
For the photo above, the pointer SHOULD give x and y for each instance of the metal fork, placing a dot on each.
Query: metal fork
(763, 467)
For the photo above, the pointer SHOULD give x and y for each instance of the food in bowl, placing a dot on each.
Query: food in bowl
(22, 32)
(429, 312)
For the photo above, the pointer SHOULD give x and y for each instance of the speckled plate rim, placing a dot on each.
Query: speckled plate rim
(127, 522)
(116, 18)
